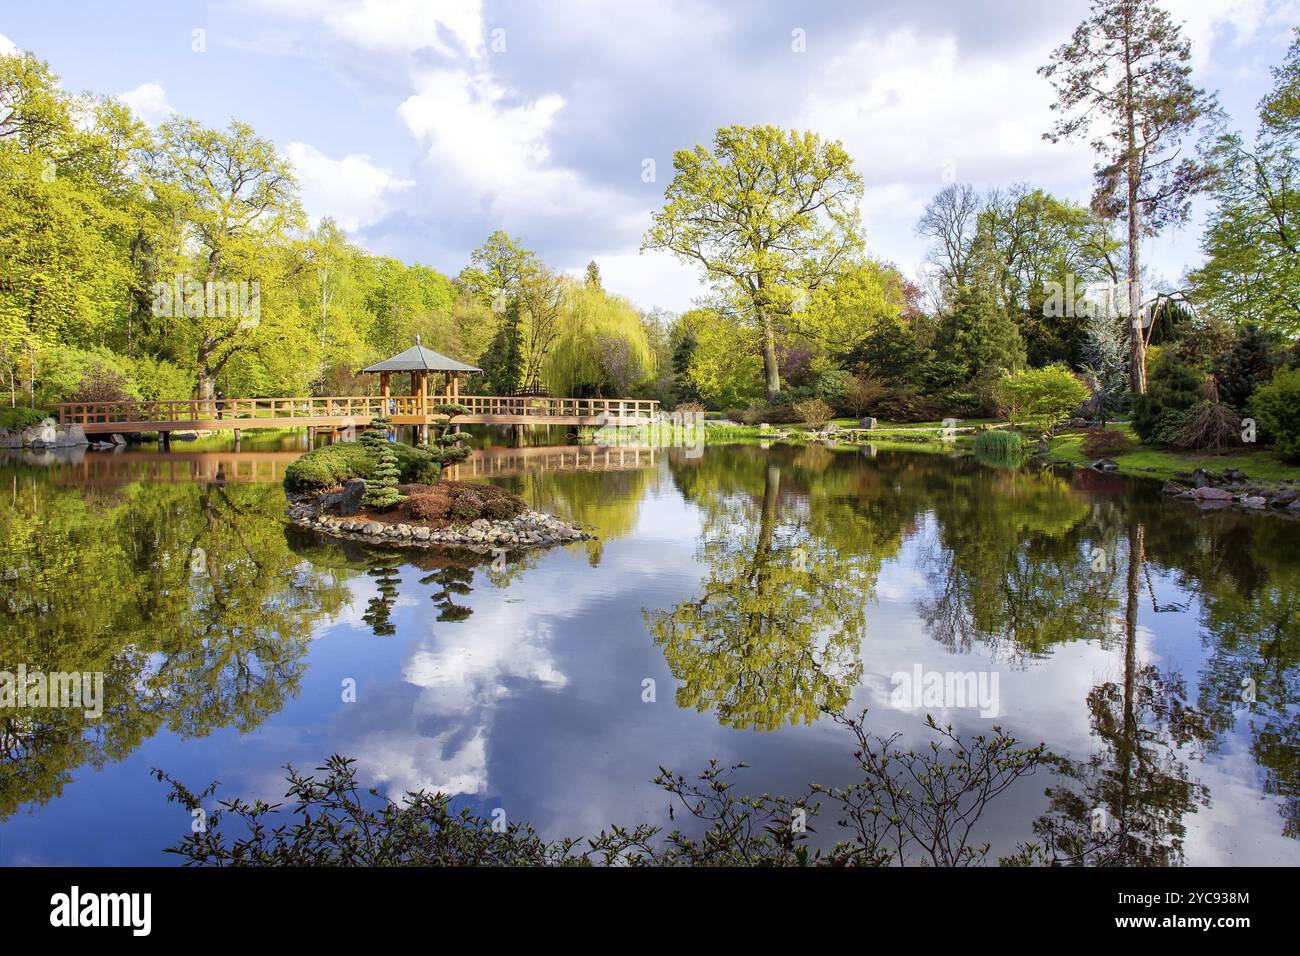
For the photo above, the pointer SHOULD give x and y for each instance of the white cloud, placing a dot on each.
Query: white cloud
(353, 190)
(917, 112)
(7, 46)
(487, 150)
(149, 101)
(394, 26)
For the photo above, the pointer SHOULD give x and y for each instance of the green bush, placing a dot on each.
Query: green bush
(19, 417)
(1276, 408)
(1172, 389)
(452, 409)
(1245, 367)
(1045, 394)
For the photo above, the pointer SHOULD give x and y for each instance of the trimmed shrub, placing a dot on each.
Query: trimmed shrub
(1276, 407)
(381, 489)
(1105, 443)
(906, 405)
(431, 505)
(332, 465)
(499, 509)
(452, 409)
(463, 502)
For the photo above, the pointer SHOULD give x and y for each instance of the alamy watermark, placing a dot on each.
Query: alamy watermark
(660, 430)
(919, 688)
(75, 690)
(185, 297)
(1102, 299)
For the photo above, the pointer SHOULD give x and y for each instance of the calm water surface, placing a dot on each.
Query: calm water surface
(754, 587)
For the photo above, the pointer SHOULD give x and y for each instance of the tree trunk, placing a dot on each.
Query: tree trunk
(1133, 176)
(770, 367)
(1136, 332)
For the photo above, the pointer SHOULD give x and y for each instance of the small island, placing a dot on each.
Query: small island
(389, 493)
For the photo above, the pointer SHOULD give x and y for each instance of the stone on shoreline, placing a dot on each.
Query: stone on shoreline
(1210, 493)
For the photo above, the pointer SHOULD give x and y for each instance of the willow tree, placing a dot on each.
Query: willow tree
(769, 214)
(1125, 78)
(601, 345)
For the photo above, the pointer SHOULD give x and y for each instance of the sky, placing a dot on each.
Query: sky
(423, 125)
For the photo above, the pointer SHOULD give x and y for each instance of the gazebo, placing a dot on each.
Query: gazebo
(419, 362)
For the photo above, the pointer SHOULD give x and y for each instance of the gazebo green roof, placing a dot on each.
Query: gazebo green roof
(419, 359)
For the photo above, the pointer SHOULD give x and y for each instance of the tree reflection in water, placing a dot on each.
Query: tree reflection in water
(186, 597)
(1020, 560)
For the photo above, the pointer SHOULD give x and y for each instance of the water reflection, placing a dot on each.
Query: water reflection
(185, 597)
(1152, 646)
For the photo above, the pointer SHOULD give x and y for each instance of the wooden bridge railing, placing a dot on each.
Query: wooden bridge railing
(529, 406)
(360, 407)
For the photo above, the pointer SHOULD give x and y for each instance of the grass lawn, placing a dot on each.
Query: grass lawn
(1149, 462)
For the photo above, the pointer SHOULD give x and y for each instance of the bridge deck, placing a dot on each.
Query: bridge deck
(99, 418)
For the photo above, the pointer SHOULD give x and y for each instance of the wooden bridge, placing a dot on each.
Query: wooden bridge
(337, 412)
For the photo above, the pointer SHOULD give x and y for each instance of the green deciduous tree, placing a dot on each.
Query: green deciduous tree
(1252, 270)
(770, 215)
(238, 200)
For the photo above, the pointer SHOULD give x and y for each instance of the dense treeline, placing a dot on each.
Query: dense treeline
(178, 261)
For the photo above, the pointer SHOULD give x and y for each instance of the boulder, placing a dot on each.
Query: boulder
(1172, 488)
(10, 439)
(1105, 464)
(41, 435)
(1208, 493)
(1233, 474)
(117, 439)
(1204, 479)
(867, 423)
(71, 437)
(347, 501)
(1254, 501)
(1285, 498)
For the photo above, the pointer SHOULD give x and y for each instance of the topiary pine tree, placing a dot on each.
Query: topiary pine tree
(1248, 365)
(381, 489)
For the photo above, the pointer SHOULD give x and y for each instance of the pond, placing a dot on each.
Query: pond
(734, 597)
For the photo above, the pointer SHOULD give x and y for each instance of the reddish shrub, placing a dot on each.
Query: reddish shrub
(433, 505)
(462, 501)
(1105, 443)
